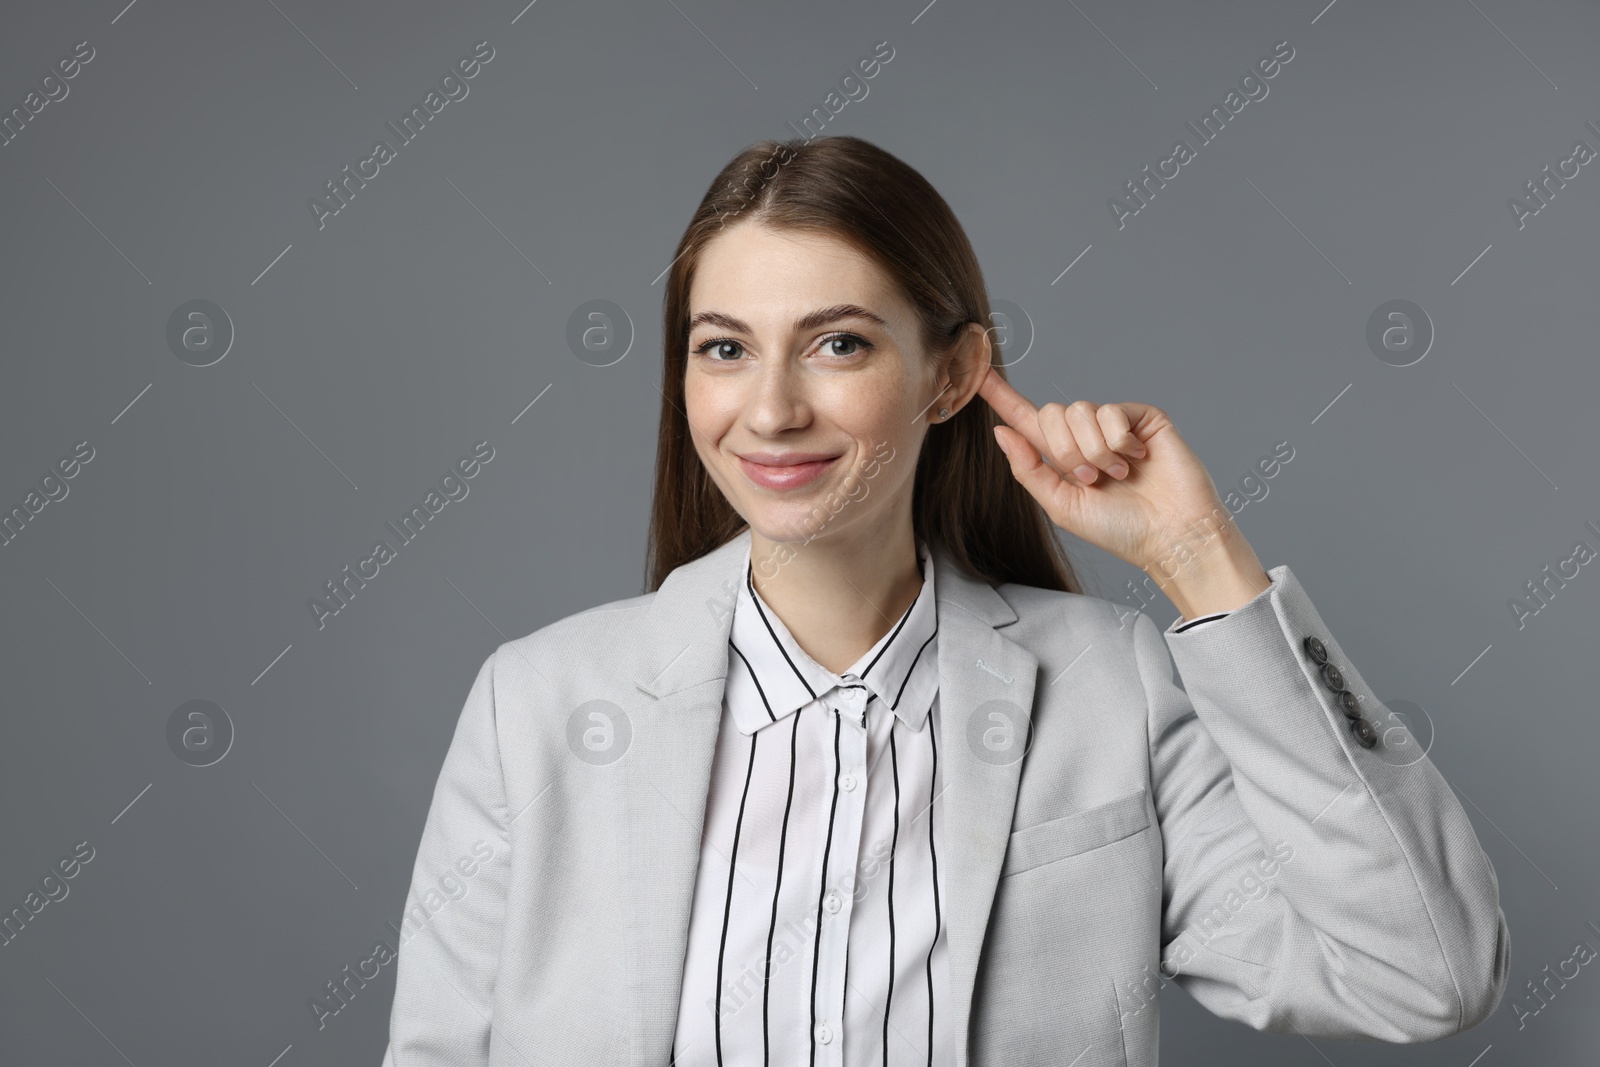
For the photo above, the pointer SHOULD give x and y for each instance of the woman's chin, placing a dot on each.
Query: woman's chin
(793, 526)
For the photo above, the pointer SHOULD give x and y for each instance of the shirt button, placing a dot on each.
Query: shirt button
(824, 1033)
(847, 782)
(832, 903)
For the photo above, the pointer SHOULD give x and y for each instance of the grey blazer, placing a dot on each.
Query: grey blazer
(1102, 829)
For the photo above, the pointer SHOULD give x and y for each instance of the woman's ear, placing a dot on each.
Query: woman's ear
(964, 372)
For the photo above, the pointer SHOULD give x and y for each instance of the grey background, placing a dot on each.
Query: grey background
(376, 351)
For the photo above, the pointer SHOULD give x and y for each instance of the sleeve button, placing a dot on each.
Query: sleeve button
(1364, 732)
(1349, 704)
(1316, 650)
(1332, 677)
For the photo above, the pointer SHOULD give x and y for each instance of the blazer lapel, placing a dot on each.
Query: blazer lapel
(683, 666)
(986, 684)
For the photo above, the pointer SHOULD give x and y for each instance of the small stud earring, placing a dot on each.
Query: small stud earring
(944, 413)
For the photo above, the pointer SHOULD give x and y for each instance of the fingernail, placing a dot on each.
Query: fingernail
(1118, 470)
(1085, 473)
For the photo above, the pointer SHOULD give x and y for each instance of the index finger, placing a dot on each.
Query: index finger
(1016, 410)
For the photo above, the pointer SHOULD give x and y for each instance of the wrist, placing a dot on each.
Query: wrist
(1211, 569)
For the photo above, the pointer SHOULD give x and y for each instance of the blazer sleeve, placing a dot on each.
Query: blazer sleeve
(450, 948)
(1310, 884)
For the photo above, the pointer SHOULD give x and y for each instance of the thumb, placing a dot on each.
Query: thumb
(1041, 481)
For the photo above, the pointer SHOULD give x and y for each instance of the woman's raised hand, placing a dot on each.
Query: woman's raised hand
(1121, 477)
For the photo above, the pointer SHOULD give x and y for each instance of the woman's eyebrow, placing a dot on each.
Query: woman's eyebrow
(809, 321)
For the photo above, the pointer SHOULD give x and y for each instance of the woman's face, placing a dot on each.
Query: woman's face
(808, 390)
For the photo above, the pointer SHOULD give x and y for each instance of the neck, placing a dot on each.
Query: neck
(840, 594)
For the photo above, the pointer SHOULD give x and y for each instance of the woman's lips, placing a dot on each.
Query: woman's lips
(787, 476)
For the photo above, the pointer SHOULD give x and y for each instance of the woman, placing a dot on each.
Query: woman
(867, 779)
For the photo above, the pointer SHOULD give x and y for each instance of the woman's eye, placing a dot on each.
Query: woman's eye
(726, 350)
(852, 344)
(718, 348)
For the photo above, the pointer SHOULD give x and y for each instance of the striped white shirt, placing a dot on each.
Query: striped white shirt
(816, 909)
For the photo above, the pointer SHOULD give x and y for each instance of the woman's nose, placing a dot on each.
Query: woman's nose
(779, 402)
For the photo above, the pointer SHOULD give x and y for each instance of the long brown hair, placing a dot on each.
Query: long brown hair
(964, 497)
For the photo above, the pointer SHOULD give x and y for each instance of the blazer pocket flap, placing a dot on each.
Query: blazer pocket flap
(1054, 839)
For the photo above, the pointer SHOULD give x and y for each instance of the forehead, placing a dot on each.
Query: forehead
(757, 272)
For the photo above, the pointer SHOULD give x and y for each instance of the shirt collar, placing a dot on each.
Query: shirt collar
(770, 676)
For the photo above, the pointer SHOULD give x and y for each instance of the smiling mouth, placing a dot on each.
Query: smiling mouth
(786, 475)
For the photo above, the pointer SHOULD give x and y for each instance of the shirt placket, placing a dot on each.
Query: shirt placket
(838, 895)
